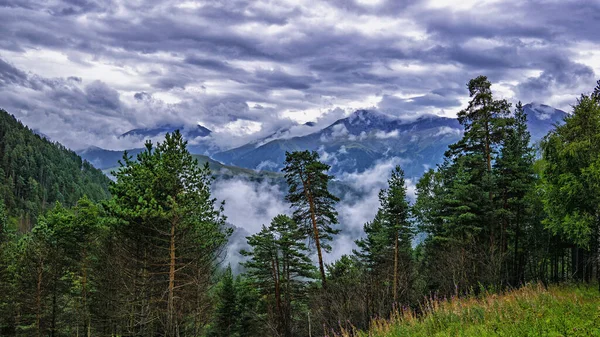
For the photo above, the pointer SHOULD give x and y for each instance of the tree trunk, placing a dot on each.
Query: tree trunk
(598, 253)
(170, 300)
(275, 267)
(395, 287)
(313, 218)
(86, 314)
(38, 298)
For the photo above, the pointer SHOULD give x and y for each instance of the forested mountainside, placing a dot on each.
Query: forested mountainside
(35, 173)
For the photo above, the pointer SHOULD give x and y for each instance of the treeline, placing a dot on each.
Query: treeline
(499, 212)
(35, 173)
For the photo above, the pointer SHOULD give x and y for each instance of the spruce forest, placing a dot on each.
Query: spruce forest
(144, 255)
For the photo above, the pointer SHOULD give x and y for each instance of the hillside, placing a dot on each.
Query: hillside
(529, 311)
(35, 173)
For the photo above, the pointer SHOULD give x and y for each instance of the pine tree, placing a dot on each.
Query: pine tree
(172, 236)
(457, 205)
(280, 268)
(376, 253)
(313, 204)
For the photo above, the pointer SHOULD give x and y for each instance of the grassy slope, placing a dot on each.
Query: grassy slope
(530, 311)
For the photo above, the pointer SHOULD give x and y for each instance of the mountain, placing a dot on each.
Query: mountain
(188, 132)
(542, 118)
(355, 143)
(105, 159)
(36, 173)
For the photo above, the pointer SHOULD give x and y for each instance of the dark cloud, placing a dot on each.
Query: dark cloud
(102, 96)
(10, 75)
(413, 106)
(138, 64)
(560, 74)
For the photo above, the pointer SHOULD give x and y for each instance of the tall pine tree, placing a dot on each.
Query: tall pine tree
(313, 204)
(172, 235)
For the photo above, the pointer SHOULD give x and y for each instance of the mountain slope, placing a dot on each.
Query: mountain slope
(35, 173)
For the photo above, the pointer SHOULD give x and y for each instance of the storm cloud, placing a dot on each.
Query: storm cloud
(246, 69)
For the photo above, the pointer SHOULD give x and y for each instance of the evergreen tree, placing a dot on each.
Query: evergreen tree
(386, 248)
(376, 253)
(572, 176)
(515, 180)
(171, 234)
(281, 270)
(457, 205)
(396, 208)
(227, 313)
(313, 204)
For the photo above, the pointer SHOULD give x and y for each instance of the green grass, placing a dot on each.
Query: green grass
(572, 310)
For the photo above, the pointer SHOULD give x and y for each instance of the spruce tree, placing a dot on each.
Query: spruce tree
(280, 268)
(386, 248)
(515, 180)
(227, 313)
(396, 208)
(313, 204)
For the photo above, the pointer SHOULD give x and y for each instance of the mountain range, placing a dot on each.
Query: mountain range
(351, 144)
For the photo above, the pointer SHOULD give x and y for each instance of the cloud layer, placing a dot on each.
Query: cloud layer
(249, 205)
(246, 69)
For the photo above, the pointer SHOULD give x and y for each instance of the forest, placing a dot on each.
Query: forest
(145, 255)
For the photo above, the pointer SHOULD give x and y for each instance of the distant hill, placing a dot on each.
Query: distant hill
(188, 132)
(35, 173)
(198, 137)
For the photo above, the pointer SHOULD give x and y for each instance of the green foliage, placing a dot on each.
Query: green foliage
(226, 311)
(311, 200)
(171, 234)
(35, 173)
(308, 183)
(572, 173)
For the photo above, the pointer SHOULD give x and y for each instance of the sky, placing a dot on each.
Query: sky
(83, 72)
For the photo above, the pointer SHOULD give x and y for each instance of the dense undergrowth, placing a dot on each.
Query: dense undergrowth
(566, 310)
